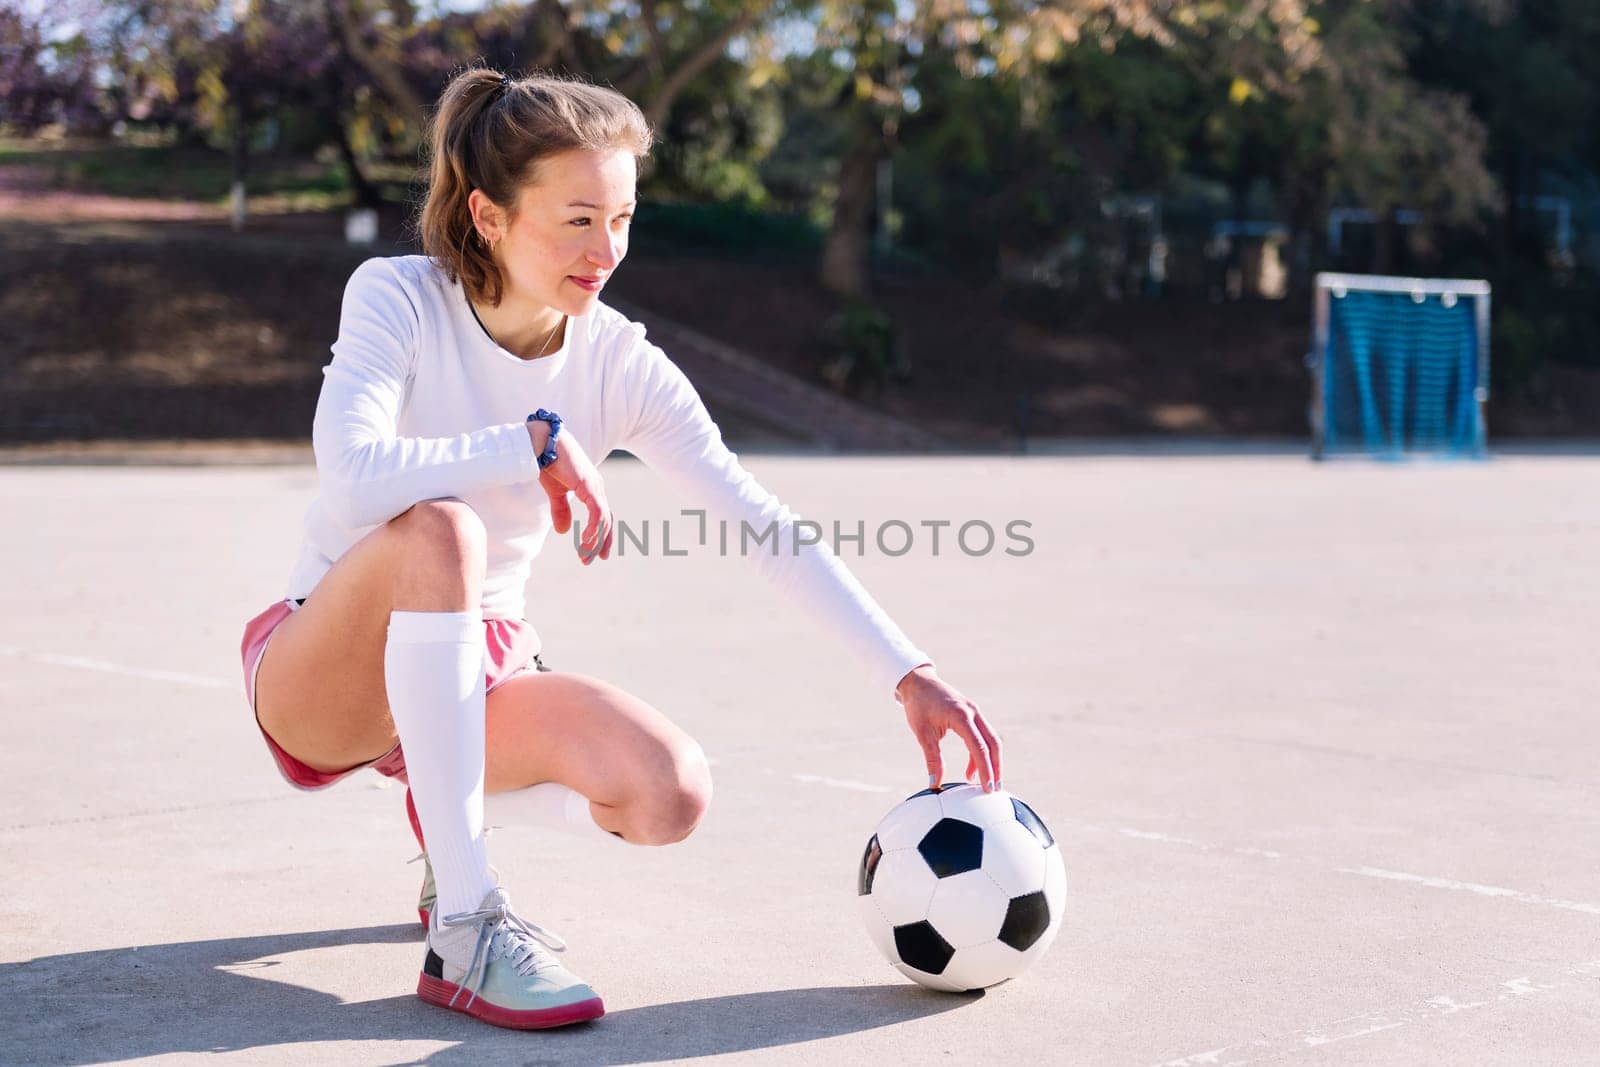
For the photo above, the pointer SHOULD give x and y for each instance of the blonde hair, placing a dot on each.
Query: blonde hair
(490, 131)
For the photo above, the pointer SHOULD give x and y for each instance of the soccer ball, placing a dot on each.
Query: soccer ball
(961, 889)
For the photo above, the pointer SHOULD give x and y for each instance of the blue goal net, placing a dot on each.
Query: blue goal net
(1400, 366)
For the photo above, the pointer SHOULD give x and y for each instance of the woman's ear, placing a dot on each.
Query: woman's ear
(486, 217)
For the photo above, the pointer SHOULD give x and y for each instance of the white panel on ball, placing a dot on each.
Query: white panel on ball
(903, 887)
(967, 801)
(1037, 949)
(1013, 857)
(932, 981)
(879, 929)
(981, 966)
(968, 909)
(1055, 883)
(904, 826)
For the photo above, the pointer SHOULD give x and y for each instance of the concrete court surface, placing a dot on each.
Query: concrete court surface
(1319, 744)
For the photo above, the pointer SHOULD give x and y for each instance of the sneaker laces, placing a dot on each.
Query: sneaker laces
(503, 935)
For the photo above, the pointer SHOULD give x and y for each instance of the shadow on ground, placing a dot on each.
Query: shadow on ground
(208, 996)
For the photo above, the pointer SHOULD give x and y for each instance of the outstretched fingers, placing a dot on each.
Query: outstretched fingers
(560, 507)
(982, 757)
(597, 532)
(991, 745)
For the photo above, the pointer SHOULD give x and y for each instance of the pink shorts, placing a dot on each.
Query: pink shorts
(508, 650)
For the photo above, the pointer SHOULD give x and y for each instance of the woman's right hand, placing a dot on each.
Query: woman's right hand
(572, 472)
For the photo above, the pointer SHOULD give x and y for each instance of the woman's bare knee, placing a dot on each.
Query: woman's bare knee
(669, 809)
(444, 554)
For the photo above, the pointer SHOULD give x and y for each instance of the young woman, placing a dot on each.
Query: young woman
(402, 644)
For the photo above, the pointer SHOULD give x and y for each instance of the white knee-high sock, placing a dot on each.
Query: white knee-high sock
(546, 805)
(433, 669)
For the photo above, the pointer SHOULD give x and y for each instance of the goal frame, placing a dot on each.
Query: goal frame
(1317, 360)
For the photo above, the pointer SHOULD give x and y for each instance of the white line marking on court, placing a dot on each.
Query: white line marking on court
(1261, 1050)
(1517, 895)
(1188, 842)
(176, 809)
(1473, 887)
(1150, 835)
(118, 668)
(1267, 853)
(1196, 1059)
(842, 783)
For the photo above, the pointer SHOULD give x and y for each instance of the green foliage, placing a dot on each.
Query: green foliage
(861, 337)
(719, 132)
(1537, 321)
(169, 172)
(1518, 350)
(974, 181)
(730, 227)
(798, 172)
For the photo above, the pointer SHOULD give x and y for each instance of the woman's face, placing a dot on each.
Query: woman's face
(570, 229)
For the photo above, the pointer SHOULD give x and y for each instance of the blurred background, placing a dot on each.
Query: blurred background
(869, 224)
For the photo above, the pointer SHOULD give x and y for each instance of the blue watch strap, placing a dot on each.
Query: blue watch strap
(549, 455)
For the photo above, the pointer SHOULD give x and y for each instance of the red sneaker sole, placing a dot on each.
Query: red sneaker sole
(438, 991)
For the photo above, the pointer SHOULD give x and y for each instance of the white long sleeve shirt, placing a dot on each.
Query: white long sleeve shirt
(419, 403)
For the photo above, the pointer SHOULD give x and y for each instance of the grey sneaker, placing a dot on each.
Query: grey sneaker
(510, 979)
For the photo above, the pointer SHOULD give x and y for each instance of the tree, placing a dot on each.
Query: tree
(883, 44)
(1527, 71)
(652, 51)
(372, 37)
(48, 77)
(680, 43)
(1364, 129)
(263, 40)
(216, 68)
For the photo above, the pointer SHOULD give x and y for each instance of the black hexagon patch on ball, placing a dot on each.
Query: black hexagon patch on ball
(952, 847)
(920, 946)
(1035, 825)
(1027, 918)
(935, 790)
(869, 867)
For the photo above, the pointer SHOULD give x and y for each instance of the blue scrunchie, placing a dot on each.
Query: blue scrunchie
(554, 420)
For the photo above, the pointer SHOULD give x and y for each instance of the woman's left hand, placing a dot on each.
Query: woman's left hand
(934, 707)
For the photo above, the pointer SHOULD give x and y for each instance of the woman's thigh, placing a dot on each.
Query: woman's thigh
(320, 692)
(601, 741)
